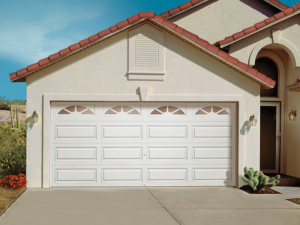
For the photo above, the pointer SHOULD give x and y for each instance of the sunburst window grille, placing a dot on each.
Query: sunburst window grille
(122, 110)
(167, 110)
(212, 110)
(75, 109)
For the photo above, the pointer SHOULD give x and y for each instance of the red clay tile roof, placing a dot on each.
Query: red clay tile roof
(193, 3)
(151, 16)
(259, 25)
(182, 7)
(297, 83)
(277, 4)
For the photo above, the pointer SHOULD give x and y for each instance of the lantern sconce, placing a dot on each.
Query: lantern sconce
(253, 120)
(292, 115)
(34, 117)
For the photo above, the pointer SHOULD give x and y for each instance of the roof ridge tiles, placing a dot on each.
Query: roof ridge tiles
(286, 12)
(130, 21)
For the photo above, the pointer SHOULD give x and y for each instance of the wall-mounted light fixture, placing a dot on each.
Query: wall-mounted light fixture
(292, 115)
(253, 120)
(34, 117)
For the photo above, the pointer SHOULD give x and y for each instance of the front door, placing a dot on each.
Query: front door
(269, 137)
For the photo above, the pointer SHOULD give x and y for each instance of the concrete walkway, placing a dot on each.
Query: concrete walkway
(149, 206)
(288, 192)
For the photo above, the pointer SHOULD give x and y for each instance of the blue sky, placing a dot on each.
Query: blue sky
(34, 29)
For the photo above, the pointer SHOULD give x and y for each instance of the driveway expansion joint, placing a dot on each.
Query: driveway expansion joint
(175, 218)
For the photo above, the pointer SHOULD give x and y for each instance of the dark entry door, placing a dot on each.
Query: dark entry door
(269, 137)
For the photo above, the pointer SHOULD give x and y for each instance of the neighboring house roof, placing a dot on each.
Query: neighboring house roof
(187, 36)
(285, 14)
(277, 4)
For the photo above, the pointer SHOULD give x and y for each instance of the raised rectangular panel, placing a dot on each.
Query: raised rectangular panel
(76, 174)
(76, 131)
(167, 132)
(212, 153)
(167, 174)
(212, 132)
(122, 153)
(79, 153)
(122, 132)
(212, 174)
(122, 174)
(167, 153)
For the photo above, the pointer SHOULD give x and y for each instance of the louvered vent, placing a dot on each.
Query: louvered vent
(146, 50)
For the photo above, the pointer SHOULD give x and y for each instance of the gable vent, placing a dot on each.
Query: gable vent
(146, 50)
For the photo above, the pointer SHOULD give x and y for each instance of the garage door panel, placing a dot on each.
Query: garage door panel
(115, 132)
(212, 174)
(213, 153)
(76, 132)
(212, 132)
(75, 154)
(176, 146)
(122, 154)
(170, 153)
(162, 132)
(122, 174)
(76, 175)
(167, 175)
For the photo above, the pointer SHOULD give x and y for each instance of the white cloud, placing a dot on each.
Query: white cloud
(29, 40)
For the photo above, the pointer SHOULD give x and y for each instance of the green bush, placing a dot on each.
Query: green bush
(12, 150)
(13, 161)
(4, 106)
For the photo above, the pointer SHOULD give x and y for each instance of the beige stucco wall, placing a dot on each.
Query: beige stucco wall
(290, 31)
(217, 19)
(102, 69)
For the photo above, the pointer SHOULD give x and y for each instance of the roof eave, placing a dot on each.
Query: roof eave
(200, 3)
(261, 29)
(166, 28)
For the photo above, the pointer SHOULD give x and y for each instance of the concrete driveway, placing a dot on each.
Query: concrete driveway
(155, 206)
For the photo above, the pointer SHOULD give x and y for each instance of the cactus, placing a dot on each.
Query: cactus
(18, 119)
(257, 180)
(12, 116)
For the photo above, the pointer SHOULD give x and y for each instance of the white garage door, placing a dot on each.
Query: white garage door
(145, 144)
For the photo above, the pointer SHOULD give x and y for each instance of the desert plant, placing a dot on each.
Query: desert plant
(18, 119)
(12, 115)
(14, 181)
(257, 180)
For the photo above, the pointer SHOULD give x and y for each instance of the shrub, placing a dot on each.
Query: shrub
(13, 161)
(12, 151)
(4, 106)
(14, 181)
(257, 180)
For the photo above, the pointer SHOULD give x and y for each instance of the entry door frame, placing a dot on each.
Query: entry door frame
(278, 134)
